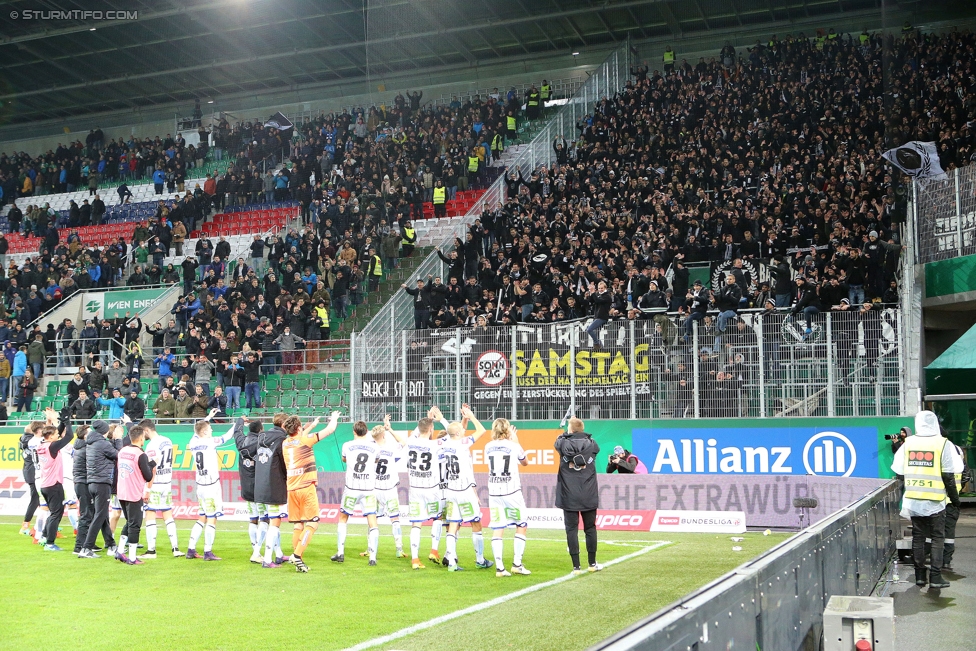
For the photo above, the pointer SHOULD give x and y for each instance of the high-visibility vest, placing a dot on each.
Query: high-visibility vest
(440, 195)
(377, 266)
(771, 44)
(668, 56)
(511, 123)
(323, 314)
(533, 99)
(473, 163)
(497, 144)
(546, 92)
(923, 468)
(408, 236)
(864, 38)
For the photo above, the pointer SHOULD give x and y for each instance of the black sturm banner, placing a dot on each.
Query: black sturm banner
(389, 387)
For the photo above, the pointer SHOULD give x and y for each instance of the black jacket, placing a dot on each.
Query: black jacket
(29, 468)
(576, 487)
(79, 470)
(134, 408)
(100, 458)
(84, 410)
(247, 446)
(727, 298)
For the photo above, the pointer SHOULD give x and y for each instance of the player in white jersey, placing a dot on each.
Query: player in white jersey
(437, 526)
(42, 510)
(389, 452)
(203, 448)
(159, 449)
(359, 455)
(504, 455)
(462, 501)
(423, 459)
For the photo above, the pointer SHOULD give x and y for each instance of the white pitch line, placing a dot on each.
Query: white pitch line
(416, 628)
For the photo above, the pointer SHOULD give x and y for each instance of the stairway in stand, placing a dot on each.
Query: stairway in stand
(361, 314)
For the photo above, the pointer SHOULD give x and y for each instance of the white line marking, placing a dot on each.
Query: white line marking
(416, 628)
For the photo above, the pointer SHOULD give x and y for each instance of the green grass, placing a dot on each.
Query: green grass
(174, 603)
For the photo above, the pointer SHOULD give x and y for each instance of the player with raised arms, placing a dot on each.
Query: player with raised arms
(246, 441)
(423, 468)
(504, 455)
(303, 502)
(159, 450)
(359, 455)
(388, 479)
(462, 501)
(203, 448)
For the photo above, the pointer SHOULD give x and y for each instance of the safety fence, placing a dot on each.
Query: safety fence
(606, 80)
(764, 364)
(777, 600)
(945, 216)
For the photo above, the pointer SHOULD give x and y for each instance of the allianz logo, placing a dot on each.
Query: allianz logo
(825, 454)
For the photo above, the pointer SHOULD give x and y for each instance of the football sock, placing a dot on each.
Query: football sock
(262, 534)
(451, 552)
(478, 539)
(497, 546)
(252, 533)
(123, 541)
(171, 532)
(342, 537)
(151, 536)
(195, 534)
(133, 551)
(435, 536)
(373, 540)
(305, 538)
(414, 542)
(208, 538)
(73, 518)
(296, 536)
(269, 543)
(519, 549)
(397, 535)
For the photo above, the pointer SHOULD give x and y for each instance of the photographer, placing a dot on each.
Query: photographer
(577, 492)
(625, 463)
(927, 463)
(897, 440)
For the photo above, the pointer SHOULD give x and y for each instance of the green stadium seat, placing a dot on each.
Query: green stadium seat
(52, 388)
(336, 399)
(302, 382)
(318, 381)
(334, 381)
(272, 382)
(288, 383)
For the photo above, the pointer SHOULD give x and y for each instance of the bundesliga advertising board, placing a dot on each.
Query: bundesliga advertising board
(708, 472)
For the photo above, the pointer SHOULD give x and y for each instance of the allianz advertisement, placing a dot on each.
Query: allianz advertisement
(821, 447)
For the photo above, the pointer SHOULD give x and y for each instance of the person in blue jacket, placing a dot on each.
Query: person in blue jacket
(159, 179)
(115, 404)
(19, 367)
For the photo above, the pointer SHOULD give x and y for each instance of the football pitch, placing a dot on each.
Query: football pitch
(170, 603)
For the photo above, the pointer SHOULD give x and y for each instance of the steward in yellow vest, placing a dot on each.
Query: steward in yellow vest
(927, 462)
(545, 91)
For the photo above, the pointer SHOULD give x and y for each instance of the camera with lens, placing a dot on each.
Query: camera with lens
(893, 437)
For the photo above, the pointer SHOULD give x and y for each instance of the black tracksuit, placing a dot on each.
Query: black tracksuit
(29, 475)
(54, 495)
(101, 456)
(577, 492)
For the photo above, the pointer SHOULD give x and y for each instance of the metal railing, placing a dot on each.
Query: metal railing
(945, 216)
(763, 365)
(777, 601)
(380, 334)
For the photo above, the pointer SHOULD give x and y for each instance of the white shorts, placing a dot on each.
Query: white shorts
(69, 492)
(114, 504)
(388, 503)
(425, 504)
(160, 499)
(462, 506)
(507, 510)
(366, 500)
(267, 511)
(211, 500)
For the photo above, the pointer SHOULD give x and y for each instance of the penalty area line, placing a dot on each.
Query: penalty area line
(422, 626)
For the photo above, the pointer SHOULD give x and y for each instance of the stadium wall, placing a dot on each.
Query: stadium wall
(756, 466)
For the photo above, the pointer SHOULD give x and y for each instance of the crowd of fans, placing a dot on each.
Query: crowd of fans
(771, 157)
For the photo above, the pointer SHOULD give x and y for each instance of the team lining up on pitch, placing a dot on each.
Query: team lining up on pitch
(116, 469)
